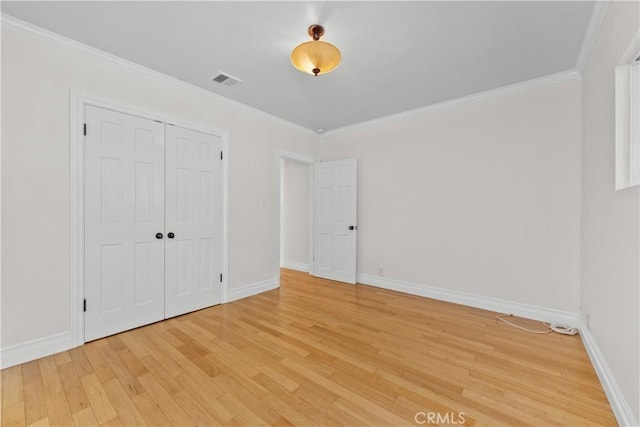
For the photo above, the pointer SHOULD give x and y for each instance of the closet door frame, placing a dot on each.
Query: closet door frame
(79, 100)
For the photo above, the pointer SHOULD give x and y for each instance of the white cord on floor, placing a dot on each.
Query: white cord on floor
(553, 327)
(561, 329)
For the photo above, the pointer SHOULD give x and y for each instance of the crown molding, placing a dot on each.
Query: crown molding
(481, 96)
(19, 26)
(54, 39)
(593, 28)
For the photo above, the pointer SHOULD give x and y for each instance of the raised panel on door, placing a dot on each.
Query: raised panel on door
(335, 237)
(194, 216)
(124, 209)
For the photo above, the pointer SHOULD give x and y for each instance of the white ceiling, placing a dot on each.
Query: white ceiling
(396, 56)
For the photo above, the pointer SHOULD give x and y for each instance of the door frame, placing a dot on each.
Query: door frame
(79, 100)
(309, 161)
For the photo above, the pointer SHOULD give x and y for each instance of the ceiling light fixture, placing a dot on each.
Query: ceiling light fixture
(315, 57)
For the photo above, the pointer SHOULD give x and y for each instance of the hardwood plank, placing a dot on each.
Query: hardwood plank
(130, 383)
(12, 385)
(13, 414)
(150, 410)
(100, 403)
(62, 358)
(58, 410)
(132, 362)
(50, 378)
(134, 345)
(206, 396)
(194, 409)
(332, 415)
(243, 413)
(251, 396)
(80, 361)
(169, 383)
(35, 404)
(76, 397)
(44, 422)
(352, 398)
(122, 403)
(174, 413)
(85, 417)
(31, 372)
(291, 406)
(100, 366)
(160, 350)
(115, 422)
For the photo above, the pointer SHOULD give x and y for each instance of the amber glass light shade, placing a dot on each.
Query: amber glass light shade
(315, 57)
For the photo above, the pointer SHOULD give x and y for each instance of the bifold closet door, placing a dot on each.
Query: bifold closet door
(124, 210)
(193, 259)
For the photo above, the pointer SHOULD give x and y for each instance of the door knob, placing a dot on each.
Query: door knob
(352, 227)
(158, 235)
(171, 235)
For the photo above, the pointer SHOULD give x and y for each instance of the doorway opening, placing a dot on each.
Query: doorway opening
(296, 212)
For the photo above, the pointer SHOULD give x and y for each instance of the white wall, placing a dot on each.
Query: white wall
(610, 219)
(295, 215)
(481, 197)
(36, 80)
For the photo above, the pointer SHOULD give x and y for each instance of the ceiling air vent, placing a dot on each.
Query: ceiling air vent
(226, 79)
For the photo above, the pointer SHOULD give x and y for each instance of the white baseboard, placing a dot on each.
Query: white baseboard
(294, 265)
(619, 405)
(253, 289)
(34, 349)
(479, 301)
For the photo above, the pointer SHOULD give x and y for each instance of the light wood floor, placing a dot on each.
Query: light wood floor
(314, 352)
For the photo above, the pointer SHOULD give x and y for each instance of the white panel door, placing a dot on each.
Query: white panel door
(193, 220)
(335, 215)
(124, 209)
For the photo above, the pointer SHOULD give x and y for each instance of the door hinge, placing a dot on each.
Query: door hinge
(84, 306)
(221, 155)
(84, 129)
(220, 277)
